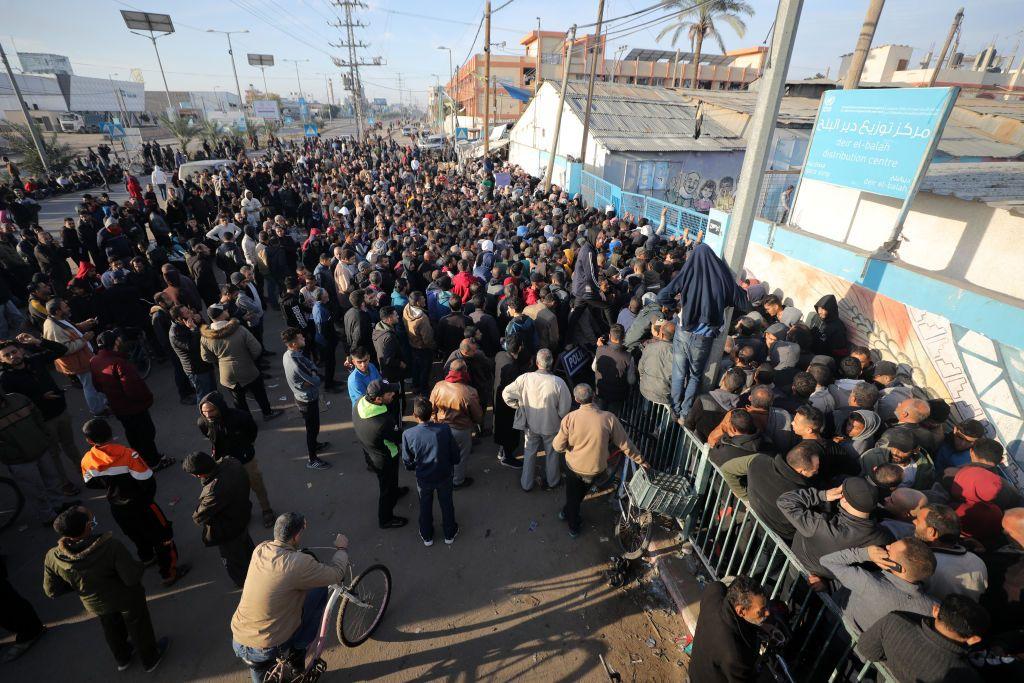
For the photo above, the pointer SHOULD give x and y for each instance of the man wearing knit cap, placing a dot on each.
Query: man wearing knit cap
(821, 530)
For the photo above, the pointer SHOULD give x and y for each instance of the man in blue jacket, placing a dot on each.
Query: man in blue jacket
(430, 449)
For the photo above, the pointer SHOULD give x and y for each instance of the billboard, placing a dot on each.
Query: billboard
(876, 140)
(44, 63)
(265, 109)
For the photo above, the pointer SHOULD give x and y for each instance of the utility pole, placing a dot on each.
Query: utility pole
(860, 53)
(238, 88)
(454, 87)
(29, 121)
(537, 78)
(1013, 81)
(760, 134)
(487, 78)
(401, 97)
(590, 83)
(561, 106)
(959, 17)
(353, 63)
(675, 68)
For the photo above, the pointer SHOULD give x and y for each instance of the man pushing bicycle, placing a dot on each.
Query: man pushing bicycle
(284, 597)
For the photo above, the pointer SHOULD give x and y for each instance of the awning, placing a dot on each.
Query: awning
(521, 94)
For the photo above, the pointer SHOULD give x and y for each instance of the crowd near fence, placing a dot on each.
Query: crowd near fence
(809, 639)
(598, 192)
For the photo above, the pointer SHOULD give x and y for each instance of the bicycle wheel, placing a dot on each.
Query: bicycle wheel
(11, 502)
(357, 622)
(633, 531)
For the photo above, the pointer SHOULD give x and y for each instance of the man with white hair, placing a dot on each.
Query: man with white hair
(540, 399)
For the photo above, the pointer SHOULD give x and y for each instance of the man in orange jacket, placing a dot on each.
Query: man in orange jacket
(131, 492)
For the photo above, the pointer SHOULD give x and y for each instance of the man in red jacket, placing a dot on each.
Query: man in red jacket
(127, 395)
(462, 281)
(979, 493)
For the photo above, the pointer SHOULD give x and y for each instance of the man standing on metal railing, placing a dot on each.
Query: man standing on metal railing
(705, 287)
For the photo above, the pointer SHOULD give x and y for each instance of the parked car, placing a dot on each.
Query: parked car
(431, 142)
(191, 168)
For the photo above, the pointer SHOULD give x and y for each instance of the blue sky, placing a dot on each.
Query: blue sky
(405, 33)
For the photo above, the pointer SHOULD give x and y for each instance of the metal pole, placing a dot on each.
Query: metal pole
(760, 133)
(860, 53)
(537, 76)
(675, 68)
(266, 90)
(238, 88)
(487, 78)
(451, 79)
(298, 79)
(945, 46)
(561, 106)
(29, 121)
(887, 252)
(590, 83)
(167, 91)
(1013, 81)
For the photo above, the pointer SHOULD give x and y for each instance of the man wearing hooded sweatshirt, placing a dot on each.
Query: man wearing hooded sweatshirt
(706, 287)
(232, 433)
(379, 436)
(858, 434)
(108, 581)
(829, 330)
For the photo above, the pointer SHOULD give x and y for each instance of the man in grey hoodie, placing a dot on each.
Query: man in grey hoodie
(303, 379)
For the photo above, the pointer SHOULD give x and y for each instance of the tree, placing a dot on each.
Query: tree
(699, 23)
(183, 130)
(18, 137)
(270, 126)
(212, 131)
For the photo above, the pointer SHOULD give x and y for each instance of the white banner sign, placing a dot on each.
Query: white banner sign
(44, 63)
(265, 109)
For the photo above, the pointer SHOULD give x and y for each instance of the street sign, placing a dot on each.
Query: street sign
(132, 139)
(114, 130)
(260, 60)
(462, 133)
(372, 121)
(240, 125)
(876, 140)
(575, 360)
(310, 130)
(288, 120)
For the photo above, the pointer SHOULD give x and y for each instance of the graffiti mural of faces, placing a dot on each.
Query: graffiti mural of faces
(706, 196)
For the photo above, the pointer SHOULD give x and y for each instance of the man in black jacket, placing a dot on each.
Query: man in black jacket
(820, 530)
(768, 477)
(726, 641)
(380, 439)
(201, 268)
(25, 369)
(223, 510)
(740, 437)
(183, 336)
(357, 322)
(916, 648)
(232, 433)
(160, 319)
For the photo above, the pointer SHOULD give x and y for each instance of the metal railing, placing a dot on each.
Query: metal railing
(599, 193)
(769, 202)
(730, 539)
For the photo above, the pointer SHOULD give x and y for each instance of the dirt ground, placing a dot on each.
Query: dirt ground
(513, 599)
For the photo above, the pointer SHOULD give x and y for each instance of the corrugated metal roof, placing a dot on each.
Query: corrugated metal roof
(646, 55)
(998, 184)
(964, 141)
(631, 118)
(1011, 109)
(793, 111)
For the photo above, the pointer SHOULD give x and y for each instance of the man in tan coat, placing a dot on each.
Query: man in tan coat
(225, 341)
(544, 319)
(584, 437)
(457, 405)
(284, 597)
(421, 339)
(78, 339)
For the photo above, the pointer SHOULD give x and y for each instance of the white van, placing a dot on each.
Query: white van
(191, 168)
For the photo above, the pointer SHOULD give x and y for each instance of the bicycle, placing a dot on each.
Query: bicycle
(12, 500)
(138, 352)
(363, 603)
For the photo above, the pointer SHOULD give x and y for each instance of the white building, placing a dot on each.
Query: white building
(49, 96)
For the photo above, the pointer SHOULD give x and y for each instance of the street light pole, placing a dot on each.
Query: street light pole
(451, 82)
(238, 87)
(29, 121)
(561, 106)
(298, 79)
(590, 84)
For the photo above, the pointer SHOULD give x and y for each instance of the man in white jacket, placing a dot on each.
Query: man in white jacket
(540, 399)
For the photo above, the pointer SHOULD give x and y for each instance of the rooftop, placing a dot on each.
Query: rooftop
(631, 118)
(1000, 185)
(794, 111)
(646, 55)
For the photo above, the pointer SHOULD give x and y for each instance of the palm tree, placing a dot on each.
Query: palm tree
(271, 126)
(699, 23)
(212, 131)
(19, 140)
(183, 130)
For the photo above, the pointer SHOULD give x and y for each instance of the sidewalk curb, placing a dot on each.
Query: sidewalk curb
(682, 586)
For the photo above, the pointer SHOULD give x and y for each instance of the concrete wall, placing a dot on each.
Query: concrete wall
(949, 237)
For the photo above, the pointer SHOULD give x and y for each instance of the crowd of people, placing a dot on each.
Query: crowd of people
(452, 303)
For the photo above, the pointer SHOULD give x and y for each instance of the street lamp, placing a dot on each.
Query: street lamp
(451, 82)
(262, 61)
(238, 87)
(299, 80)
(154, 23)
